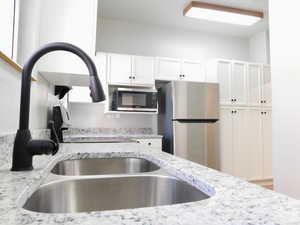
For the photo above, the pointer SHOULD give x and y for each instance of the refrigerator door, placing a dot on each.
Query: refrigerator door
(192, 100)
(197, 142)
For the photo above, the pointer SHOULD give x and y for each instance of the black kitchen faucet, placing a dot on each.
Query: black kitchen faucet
(24, 146)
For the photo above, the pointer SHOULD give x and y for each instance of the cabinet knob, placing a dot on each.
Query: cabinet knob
(130, 77)
(265, 101)
(138, 142)
(149, 143)
(133, 77)
(261, 101)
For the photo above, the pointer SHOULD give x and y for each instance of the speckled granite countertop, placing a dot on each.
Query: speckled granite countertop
(232, 200)
(91, 134)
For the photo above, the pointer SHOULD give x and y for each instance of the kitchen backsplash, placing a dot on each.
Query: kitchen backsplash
(106, 131)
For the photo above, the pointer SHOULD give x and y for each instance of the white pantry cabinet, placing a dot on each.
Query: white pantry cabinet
(267, 144)
(130, 70)
(245, 142)
(179, 69)
(72, 21)
(259, 85)
(232, 78)
(266, 86)
(242, 83)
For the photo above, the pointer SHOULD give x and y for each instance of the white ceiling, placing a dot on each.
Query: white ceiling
(169, 13)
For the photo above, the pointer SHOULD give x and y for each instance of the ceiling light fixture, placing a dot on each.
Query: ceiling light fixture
(223, 14)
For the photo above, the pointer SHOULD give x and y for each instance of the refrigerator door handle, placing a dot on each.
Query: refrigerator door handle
(196, 120)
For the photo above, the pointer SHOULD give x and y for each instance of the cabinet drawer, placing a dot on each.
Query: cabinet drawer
(154, 143)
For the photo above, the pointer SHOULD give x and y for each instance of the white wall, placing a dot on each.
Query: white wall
(259, 48)
(28, 29)
(142, 39)
(285, 56)
(86, 115)
(10, 89)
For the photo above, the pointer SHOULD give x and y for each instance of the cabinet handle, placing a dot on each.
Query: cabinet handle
(261, 101)
(261, 113)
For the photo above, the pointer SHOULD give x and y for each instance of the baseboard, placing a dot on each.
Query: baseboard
(266, 183)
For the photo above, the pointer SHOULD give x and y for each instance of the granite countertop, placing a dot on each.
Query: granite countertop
(232, 201)
(92, 134)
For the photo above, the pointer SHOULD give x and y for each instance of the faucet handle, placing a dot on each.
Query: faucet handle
(56, 140)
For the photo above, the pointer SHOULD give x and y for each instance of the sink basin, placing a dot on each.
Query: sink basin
(97, 194)
(103, 166)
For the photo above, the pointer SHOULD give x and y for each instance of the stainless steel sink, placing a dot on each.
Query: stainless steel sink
(102, 166)
(97, 194)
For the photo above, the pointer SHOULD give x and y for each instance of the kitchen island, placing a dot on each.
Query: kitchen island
(232, 201)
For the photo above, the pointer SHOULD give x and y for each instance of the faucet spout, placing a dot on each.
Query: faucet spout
(24, 147)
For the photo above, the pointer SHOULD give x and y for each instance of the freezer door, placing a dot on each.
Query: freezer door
(192, 100)
(197, 142)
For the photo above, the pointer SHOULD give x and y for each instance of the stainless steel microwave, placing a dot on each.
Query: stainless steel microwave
(135, 100)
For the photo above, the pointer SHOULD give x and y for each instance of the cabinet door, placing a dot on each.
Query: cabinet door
(193, 71)
(7, 25)
(224, 77)
(238, 83)
(120, 69)
(226, 139)
(151, 143)
(143, 70)
(253, 144)
(266, 85)
(168, 69)
(254, 85)
(267, 144)
(240, 156)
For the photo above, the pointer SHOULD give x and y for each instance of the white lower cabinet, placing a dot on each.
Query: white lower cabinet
(267, 144)
(155, 143)
(245, 143)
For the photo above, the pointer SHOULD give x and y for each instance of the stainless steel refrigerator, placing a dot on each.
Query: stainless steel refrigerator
(188, 120)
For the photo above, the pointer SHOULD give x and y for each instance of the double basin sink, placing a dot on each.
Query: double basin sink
(87, 185)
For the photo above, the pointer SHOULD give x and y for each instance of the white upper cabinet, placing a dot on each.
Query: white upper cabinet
(192, 70)
(266, 86)
(168, 69)
(120, 68)
(241, 83)
(254, 85)
(143, 70)
(224, 78)
(7, 25)
(72, 21)
(179, 69)
(238, 83)
(130, 70)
